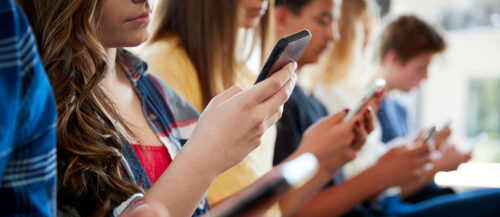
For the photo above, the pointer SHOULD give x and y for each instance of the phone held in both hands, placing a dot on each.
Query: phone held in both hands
(268, 189)
(375, 87)
(288, 49)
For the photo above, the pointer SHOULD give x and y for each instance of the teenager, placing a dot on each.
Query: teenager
(204, 59)
(122, 132)
(397, 167)
(121, 129)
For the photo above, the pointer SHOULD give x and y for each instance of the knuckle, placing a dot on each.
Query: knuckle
(284, 96)
(237, 88)
(279, 114)
(275, 84)
(257, 122)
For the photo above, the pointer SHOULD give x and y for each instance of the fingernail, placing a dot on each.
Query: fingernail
(357, 124)
(346, 110)
(294, 65)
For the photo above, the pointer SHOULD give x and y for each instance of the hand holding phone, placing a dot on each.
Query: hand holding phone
(375, 87)
(288, 49)
(428, 135)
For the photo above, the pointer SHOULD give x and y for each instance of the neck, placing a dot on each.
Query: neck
(111, 73)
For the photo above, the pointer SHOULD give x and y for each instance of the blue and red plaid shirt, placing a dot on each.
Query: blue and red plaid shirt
(171, 118)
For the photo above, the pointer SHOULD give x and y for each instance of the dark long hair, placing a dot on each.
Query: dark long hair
(208, 31)
(88, 143)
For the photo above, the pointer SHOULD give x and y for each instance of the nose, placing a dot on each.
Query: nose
(148, 3)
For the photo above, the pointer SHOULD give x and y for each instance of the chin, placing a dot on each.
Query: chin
(138, 40)
(252, 23)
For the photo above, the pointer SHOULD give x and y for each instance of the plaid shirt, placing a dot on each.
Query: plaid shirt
(27, 122)
(171, 118)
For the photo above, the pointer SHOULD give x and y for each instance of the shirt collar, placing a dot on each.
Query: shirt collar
(134, 66)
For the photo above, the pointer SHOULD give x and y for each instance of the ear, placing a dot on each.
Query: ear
(391, 58)
(281, 16)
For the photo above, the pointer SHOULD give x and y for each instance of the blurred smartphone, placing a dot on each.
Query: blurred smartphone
(288, 49)
(375, 87)
(429, 135)
(266, 191)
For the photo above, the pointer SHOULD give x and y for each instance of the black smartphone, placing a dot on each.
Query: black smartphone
(287, 50)
(266, 191)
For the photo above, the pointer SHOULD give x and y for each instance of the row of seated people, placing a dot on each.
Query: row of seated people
(179, 128)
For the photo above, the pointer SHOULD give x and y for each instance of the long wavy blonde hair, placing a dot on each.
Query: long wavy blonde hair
(338, 62)
(88, 144)
(209, 33)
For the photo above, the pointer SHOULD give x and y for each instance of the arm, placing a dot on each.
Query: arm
(450, 159)
(397, 167)
(337, 200)
(334, 143)
(241, 117)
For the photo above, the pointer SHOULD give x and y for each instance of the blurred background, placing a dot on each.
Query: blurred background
(464, 82)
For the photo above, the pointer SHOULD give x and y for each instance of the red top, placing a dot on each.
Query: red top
(154, 159)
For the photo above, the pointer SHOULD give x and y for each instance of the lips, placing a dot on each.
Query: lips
(141, 19)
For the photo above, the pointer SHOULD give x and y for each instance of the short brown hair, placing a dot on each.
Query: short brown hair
(409, 37)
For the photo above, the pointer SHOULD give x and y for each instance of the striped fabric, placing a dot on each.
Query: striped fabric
(171, 117)
(27, 122)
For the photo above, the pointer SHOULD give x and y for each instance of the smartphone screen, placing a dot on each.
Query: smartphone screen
(288, 49)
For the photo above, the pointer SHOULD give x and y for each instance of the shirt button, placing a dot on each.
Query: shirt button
(152, 117)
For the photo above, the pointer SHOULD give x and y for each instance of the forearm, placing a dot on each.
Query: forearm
(297, 198)
(183, 184)
(338, 200)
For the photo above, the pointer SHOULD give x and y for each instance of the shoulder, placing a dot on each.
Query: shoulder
(185, 114)
(182, 107)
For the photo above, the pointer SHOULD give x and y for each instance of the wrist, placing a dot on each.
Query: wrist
(201, 163)
(381, 181)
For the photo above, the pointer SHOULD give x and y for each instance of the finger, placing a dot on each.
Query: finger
(267, 88)
(420, 150)
(222, 97)
(279, 98)
(419, 136)
(368, 120)
(421, 161)
(336, 118)
(360, 136)
(273, 118)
